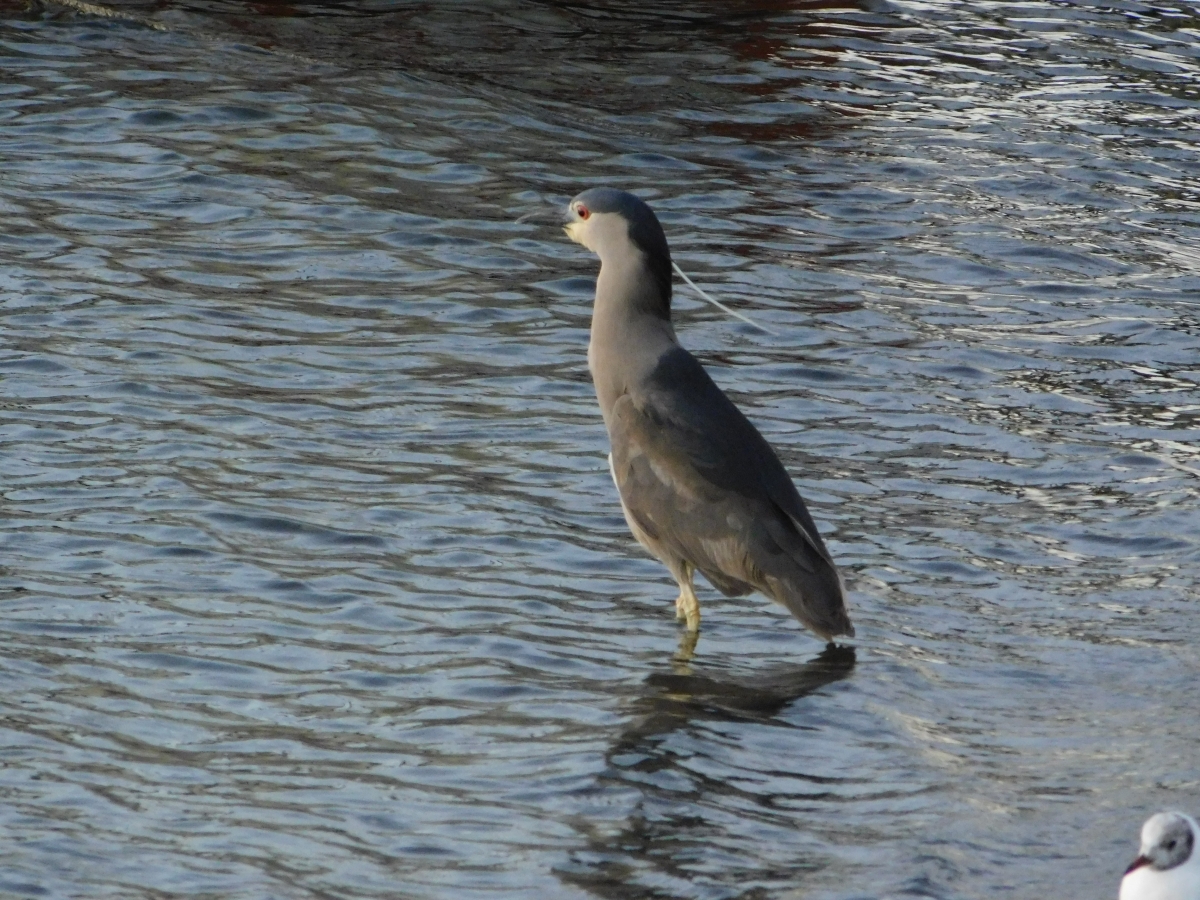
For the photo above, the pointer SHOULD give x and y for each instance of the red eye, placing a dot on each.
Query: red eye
(583, 211)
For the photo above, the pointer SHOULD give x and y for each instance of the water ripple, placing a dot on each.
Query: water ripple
(313, 576)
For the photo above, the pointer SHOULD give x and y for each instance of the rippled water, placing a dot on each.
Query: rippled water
(314, 583)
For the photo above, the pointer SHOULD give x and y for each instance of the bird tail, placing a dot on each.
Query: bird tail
(816, 596)
(802, 576)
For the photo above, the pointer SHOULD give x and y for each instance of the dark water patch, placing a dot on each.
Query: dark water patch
(290, 527)
(33, 364)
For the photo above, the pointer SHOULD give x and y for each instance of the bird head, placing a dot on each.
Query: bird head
(1168, 839)
(617, 226)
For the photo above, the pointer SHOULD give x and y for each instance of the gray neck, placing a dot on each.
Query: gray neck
(629, 332)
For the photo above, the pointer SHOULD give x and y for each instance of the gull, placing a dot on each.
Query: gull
(1167, 866)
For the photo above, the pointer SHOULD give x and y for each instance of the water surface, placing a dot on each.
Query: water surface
(313, 579)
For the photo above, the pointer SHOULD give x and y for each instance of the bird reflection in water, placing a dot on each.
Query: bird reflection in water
(653, 845)
(674, 699)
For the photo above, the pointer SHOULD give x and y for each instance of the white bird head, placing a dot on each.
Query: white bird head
(1167, 866)
(1168, 840)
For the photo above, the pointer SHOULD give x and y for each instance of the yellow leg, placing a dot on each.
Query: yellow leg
(687, 607)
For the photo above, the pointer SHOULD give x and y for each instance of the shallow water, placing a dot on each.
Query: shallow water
(314, 582)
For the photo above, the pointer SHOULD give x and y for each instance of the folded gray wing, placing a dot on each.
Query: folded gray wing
(698, 477)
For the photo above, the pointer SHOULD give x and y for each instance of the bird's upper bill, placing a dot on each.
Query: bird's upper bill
(1137, 864)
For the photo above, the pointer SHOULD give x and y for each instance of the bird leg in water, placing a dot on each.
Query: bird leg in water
(687, 607)
(681, 663)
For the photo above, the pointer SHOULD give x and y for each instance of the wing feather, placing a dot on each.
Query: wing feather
(704, 486)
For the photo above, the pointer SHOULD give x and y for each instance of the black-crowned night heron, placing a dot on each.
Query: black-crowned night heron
(1168, 865)
(700, 487)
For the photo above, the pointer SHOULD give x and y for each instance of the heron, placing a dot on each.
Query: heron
(700, 487)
